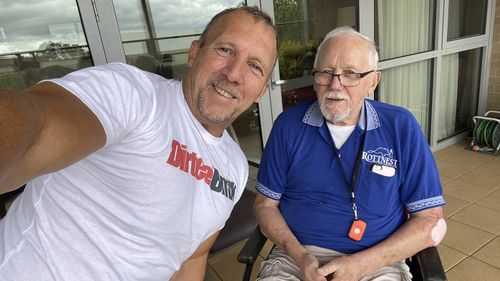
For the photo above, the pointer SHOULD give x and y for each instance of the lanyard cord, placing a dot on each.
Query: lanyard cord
(352, 186)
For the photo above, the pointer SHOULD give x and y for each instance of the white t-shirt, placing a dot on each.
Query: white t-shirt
(340, 134)
(138, 207)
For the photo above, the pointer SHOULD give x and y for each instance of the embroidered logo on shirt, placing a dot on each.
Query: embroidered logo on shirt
(382, 156)
(190, 163)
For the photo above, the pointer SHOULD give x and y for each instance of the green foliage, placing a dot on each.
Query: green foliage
(12, 81)
(296, 57)
(287, 10)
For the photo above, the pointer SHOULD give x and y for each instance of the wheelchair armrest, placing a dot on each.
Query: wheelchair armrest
(252, 247)
(431, 267)
(254, 162)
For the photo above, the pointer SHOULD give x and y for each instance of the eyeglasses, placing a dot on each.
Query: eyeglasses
(351, 79)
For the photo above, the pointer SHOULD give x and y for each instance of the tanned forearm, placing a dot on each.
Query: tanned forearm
(18, 129)
(194, 267)
(274, 227)
(413, 236)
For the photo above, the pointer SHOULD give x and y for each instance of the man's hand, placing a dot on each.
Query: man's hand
(344, 268)
(309, 265)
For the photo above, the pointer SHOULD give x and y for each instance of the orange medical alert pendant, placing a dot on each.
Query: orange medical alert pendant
(357, 230)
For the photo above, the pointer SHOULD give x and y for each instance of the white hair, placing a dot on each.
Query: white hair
(349, 31)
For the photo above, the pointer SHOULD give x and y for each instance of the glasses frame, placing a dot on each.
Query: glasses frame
(332, 75)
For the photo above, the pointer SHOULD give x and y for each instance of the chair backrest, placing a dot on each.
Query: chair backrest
(240, 224)
(242, 221)
(6, 198)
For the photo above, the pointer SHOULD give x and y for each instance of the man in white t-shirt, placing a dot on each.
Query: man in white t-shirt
(130, 176)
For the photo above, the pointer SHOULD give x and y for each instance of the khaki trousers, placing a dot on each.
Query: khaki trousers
(280, 267)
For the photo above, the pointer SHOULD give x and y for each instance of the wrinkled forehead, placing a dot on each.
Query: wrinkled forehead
(242, 29)
(346, 51)
(241, 21)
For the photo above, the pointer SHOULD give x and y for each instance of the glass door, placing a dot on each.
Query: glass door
(156, 35)
(302, 25)
(38, 41)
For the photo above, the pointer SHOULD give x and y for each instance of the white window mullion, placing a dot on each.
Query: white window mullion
(89, 23)
(487, 55)
(367, 18)
(109, 31)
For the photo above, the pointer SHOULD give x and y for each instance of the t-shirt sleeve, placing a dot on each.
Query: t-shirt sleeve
(121, 96)
(421, 188)
(271, 178)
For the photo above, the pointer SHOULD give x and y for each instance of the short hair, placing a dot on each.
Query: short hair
(349, 31)
(258, 16)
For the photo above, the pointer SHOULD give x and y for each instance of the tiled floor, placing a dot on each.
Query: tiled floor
(471, 248)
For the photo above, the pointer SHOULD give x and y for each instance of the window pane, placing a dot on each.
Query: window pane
(301, 26)
(404, 27)
(409, 86)
(37, 45)
(458, 96)
(156, 34)
(466, 18)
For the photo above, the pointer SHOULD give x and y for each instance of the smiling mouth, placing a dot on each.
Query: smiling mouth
(335, 99)
(223, 93)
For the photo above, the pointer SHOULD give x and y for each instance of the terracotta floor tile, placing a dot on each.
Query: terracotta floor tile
(226, 266)
(486, 176)
(453, 205)
(472, 269)
(266, 249)
(467, 160)
(449, 256)
(210, 274)
(465, 238)
(480, 217)
(490, 253)
(449, 151)
(448, 170)
(491, 200)
(463, 190)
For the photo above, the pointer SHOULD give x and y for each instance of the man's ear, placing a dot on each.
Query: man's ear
(375, 81)
(262, 92)
(193, 52)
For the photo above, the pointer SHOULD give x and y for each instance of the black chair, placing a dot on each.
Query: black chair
(240, 224)
(425, 265)
(242, 221)
(6, 197)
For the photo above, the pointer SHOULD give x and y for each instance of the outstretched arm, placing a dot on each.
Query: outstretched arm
(424, 229)
(43, 129)
(274, 227)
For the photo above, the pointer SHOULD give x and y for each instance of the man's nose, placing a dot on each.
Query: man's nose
(335, 84)
(235, 69)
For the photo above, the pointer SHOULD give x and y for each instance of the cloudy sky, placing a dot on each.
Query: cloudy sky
(26, 24)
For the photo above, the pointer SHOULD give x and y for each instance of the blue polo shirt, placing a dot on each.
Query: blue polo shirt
(301, 168)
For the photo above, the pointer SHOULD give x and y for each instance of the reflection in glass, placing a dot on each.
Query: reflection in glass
(404, 27)
(409, 86)
(466, 18)
(37, 45)
(458, 96)
(156, 34)
(301, 26)
(156, 37)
